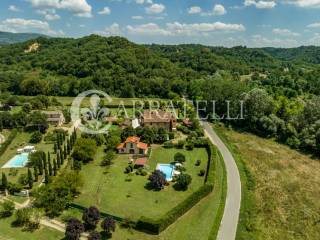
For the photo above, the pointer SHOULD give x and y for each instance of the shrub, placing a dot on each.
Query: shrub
(171, 135)
(108, 225)
(168, 144)
(74, 229)
(189, 146)
(182, 182)
(23, 179)
(202, 172)
(7, 208)
(22, 216)
(198, 162)
(179, 157)
(180, 144)
(14, 188)
(36, 137)
(91, 217)
(94, 236)
(157, 180)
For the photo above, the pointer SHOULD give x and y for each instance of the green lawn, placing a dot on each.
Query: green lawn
(7, 232)
(200, 223)
(20, 140)
(110, 191)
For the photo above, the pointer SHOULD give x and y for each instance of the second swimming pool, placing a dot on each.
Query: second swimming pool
(18, 161)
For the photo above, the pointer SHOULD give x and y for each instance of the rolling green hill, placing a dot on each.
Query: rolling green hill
(10, 38)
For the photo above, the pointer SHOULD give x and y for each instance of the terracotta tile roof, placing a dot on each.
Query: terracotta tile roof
(120, 146)
(142, 145)
(133, 139)
(141, 161)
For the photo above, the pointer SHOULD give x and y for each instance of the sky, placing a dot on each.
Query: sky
(253, 23)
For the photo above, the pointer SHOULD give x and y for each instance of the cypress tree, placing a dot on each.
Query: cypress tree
(35, 173)
(4, 181)
(30, 179)
(58, 140)
(46, 176)
(61, 156)
(68, 146)
(50, 168)
(65, 152)
(45, 166)
(58, 160)
(55, 167)
(40, 167)
(55, 148)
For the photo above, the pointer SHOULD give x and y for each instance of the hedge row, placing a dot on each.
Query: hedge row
(7, 142)
(156, 226)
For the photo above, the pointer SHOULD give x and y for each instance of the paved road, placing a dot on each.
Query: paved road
(229, 222)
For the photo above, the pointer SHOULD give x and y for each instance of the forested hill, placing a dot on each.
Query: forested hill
(280, 88)
(10, 38)
(65, 66)
(310, 54)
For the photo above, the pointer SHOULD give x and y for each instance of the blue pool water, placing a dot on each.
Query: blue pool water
(167, 169)
(18, 161)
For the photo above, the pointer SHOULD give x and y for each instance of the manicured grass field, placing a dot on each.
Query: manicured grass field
(201, 222)
(283, 196)
(117, 193)
(7, 232)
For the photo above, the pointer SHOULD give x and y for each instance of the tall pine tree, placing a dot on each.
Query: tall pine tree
(35, 173)
(30, 179)
(55, 167)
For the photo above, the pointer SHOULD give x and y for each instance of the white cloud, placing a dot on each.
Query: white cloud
(194, 10)
(79, 8)
(285, 32)
(304, 3)
(136, 17)
(105, 11)
(28, 25)
(314, 25)
(148, 29)
(143, 1)
(260, 41)
(155, 8)
(315, 40)
(112, 30)
(13, 8)
(260, 4)
(217, 10)
(176, 28)
(49, 14)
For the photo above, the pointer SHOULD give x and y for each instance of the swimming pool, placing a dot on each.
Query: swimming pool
(18, 161)
(167, 169)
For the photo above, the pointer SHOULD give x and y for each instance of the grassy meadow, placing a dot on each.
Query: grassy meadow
(283, 197)
(125, 195)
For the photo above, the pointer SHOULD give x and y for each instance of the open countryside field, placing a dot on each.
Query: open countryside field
(123, 195)
(7, 232)
(286, 192)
